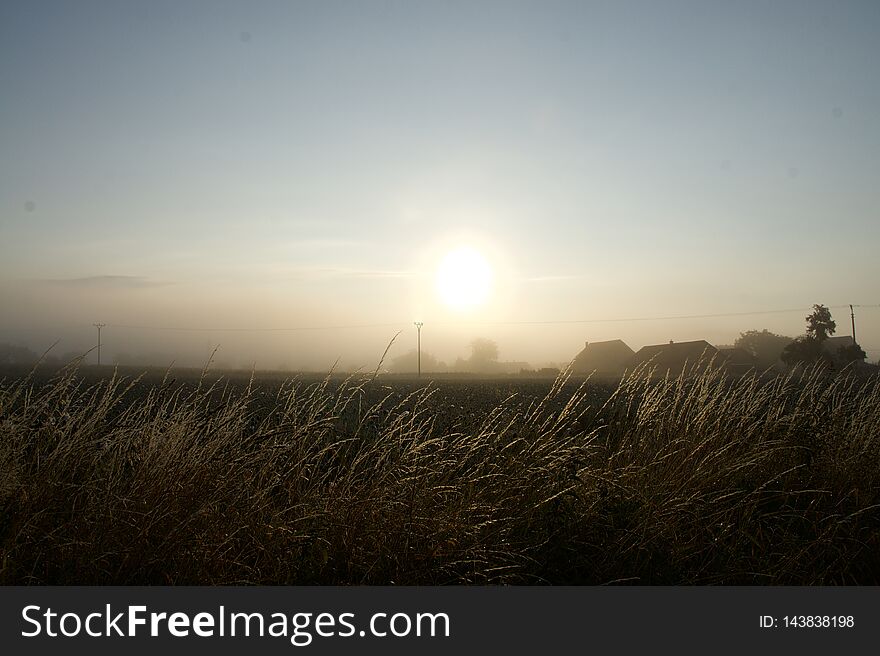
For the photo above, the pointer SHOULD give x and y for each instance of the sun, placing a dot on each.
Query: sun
(464, 278)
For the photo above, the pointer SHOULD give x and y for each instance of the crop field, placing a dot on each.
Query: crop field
(185, 477)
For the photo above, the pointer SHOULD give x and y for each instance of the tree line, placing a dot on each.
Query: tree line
(769, 349)
(483, 359)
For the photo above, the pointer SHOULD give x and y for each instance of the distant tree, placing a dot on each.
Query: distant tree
(820, 325)
(10, 354)
(484, 355)
(806, 349)
(409, 363)
(764, 346)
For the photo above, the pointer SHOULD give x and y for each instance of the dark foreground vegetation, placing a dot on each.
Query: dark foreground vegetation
(700, 479)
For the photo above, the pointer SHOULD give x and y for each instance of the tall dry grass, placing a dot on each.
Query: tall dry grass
(700, 478)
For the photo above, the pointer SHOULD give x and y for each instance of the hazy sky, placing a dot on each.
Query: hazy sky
(287, 164)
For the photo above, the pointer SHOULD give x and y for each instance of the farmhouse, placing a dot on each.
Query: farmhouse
(603, 358)
(833, 344)
(673, 357)
(736, 360)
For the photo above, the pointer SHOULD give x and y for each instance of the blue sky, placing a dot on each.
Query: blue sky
(296, 163)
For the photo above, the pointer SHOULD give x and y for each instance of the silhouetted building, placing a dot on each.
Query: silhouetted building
(833, 344)
(511, 367)
(603, 358)
(674, 356)
(736, 360)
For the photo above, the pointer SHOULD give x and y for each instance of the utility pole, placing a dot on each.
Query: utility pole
(99, 326)
(418, 325)
(852, 316)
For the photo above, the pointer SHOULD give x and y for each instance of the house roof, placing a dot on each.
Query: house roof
(833, 344)
(735, 355)
(674, 355)
(608, 356)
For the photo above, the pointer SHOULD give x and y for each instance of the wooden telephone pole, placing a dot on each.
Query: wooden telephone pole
(99, 326)
(852, 315)
(418, 325)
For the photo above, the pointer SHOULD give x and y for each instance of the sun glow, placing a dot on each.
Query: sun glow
(464, 278)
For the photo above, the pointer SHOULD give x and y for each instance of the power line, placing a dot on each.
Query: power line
(199, 329)
(654, 318)
(716, 315)
(659, 318)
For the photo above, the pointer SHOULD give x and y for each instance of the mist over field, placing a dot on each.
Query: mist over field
(158, 325)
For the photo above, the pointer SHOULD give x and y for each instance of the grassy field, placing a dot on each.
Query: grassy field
(204, 479)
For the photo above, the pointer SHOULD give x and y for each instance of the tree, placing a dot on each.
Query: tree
(820, 325)
(851, 353)
(806, 349)
(409, 363)
(764, 346)
(10, 354)
(484, 355)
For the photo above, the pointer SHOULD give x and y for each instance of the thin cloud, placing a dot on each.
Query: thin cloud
(103, 282)
(325, 243)
(341, 273)
(552, 278)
